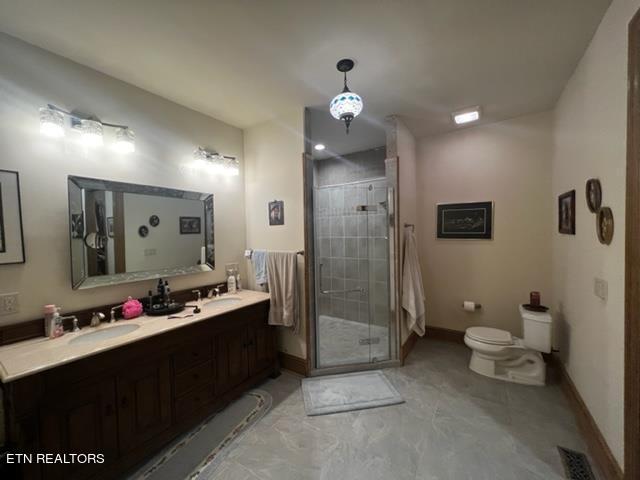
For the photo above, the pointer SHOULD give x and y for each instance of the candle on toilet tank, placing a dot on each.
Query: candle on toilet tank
(534, 298)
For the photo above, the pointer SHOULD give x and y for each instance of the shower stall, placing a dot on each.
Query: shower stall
(351, 214)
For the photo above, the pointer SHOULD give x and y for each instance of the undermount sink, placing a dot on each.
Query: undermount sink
(105, 334)
(223, 301)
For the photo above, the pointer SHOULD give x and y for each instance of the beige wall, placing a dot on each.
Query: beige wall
(590, 141)
(273, 154)
(507, 163)
(166, 137)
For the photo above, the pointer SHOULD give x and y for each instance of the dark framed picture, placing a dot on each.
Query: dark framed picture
(110, 232)
(190, 225)
(154, 220)
(276, 212)
(465, 220)
(604, 225)
(567, 213)
(593, 192)
(11, 236)
(143, 231)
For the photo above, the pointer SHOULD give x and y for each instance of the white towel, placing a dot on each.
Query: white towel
(259, 261)
(282, 272)
(412, 290)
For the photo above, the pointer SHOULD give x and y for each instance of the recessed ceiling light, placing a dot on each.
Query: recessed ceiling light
(319, 147)
(466, 116)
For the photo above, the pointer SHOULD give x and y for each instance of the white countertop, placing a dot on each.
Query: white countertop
(31, 356)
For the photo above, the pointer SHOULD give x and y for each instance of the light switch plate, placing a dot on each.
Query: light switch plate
(601, 288)
(9, 303)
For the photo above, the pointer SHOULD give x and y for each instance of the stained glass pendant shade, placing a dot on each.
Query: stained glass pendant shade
(347, 105)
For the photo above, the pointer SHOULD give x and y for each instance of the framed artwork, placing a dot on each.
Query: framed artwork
(154, 220)
(143, 231)
(465, 220)
(593, 193)
(276, 212)
(110, 231)
(190, 225)
(11, 235)
(604, 225)
(567, 213)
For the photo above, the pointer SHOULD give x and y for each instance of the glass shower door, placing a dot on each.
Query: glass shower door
(352, 274)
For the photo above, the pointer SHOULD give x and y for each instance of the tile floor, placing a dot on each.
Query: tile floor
(454, 425)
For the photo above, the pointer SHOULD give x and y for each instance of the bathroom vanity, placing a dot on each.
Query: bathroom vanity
(127, 395)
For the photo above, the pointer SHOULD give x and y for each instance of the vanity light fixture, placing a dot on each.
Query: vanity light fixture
(319, 147)
(91, 130)
(467, 115)
(51, 122)
(347, 105)
(217, 163)
(125, 141)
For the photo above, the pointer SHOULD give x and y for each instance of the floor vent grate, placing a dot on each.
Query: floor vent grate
(576, 465)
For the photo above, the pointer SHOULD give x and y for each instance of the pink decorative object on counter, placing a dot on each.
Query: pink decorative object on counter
(131, 309)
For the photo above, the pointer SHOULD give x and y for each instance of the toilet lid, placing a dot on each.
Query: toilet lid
(493, 336)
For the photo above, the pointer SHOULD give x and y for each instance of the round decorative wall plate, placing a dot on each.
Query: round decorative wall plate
(604, 225)
(594, 195)
(154, 220)
(143, 231)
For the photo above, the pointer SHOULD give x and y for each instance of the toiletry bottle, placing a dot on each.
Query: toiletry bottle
(238, 283)
(57, 328)
(231, 284)
(49, 311)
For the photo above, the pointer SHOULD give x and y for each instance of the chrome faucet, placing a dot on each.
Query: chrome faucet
(198, 293)
(96, 319)
(113, 313)
(212, 290)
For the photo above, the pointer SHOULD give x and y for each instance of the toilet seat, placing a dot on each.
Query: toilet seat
(491, 336)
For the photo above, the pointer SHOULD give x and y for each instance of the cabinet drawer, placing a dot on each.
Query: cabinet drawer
(193, 401)
(194, 377)
(192, 355)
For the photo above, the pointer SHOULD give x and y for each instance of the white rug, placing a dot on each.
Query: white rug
(352, 391)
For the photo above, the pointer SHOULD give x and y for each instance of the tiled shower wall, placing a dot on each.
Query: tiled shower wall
(353, 249)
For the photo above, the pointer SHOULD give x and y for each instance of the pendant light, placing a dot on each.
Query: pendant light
(347, 105)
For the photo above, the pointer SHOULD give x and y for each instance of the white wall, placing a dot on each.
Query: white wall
(273, 155)
(172, 249)
(166, 134)
(507, 163)
(590, 141)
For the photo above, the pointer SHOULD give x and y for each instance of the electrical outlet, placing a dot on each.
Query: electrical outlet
(601, 288)
(9, 303)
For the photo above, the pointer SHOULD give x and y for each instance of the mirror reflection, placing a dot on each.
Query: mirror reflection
(123, 232)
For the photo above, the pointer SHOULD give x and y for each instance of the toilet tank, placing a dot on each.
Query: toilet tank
(537, 330)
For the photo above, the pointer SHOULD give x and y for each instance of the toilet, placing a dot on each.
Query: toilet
(498, 354)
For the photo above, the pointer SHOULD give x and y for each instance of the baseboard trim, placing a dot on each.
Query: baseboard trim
(408, 345)
(445, 334)
(292, 363)
(596, 443)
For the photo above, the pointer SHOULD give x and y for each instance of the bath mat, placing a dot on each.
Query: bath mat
(352, 391)
(197, 454)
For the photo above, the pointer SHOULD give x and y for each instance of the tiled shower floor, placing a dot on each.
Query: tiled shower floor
(455, 425)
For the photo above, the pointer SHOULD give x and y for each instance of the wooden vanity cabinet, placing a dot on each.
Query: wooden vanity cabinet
(128, 402)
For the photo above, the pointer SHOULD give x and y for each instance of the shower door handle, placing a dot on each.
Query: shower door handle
(332, 292)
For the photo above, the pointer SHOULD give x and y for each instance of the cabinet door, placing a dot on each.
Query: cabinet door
(262, 347)
(144, 403)
(82, 420)
(233, 362)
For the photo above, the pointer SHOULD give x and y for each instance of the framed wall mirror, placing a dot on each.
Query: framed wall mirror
(122, 232)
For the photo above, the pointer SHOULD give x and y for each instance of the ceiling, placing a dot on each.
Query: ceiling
(246, 61)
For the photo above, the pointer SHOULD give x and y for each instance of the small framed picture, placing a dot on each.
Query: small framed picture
(465, 220)
(276, 213)
(594, 195)
(567, 213)
(190, 225)
(604, 224)
(11, 237)
(110, 231)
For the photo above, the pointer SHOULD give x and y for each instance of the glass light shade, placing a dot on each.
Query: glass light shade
(346, 104)
(125, 141)
(91, 131)
(51, 122)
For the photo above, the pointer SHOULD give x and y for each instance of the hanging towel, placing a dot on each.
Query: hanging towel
(259, 261)
(412, 290)
(282, 273)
